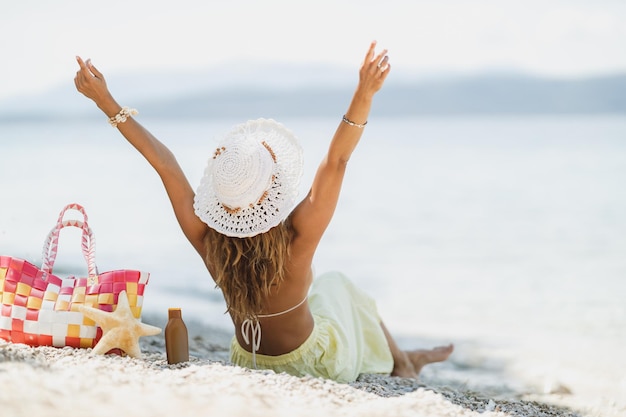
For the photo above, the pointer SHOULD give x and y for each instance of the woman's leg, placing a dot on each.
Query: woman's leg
(408, 364)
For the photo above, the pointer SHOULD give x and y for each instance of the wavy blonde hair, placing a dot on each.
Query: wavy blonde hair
(246, 269)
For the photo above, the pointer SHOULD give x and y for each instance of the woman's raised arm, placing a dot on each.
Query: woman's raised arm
(90, 82)
(312, 216)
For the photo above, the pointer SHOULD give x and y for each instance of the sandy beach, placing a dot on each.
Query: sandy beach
(59, 382)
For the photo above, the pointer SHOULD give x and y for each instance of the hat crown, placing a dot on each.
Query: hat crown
(242, 173)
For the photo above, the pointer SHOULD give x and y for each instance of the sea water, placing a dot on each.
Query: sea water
(505, 236)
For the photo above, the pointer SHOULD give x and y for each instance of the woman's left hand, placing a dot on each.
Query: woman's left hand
(91, 83)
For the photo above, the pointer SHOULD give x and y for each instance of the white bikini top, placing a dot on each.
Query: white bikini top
(252, 327)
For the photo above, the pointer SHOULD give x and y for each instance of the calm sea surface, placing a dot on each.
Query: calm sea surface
(506, 236)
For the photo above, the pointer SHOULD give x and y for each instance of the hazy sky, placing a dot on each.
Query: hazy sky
(571, 38)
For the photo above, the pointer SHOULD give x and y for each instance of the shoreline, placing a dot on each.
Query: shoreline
(57, 381)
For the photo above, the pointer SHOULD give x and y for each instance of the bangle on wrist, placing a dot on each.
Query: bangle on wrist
(122, 116)
(351, 123)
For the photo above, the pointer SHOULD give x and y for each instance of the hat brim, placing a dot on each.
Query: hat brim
(279, 199)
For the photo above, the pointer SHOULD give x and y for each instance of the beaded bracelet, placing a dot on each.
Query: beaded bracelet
(122, 116)
(351, 123)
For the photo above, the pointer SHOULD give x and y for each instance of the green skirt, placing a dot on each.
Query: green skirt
(347, 339)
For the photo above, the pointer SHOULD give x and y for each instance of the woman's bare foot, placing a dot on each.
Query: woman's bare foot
(422, 357)
(410, 362)
(402, 366)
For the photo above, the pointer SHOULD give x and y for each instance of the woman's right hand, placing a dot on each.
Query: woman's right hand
(374, 71)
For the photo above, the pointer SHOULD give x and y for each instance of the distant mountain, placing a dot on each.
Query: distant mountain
(477, 95)
(255, 91)
(507, 95)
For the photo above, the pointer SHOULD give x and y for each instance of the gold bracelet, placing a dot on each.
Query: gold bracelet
(122, 116)
(351, 123)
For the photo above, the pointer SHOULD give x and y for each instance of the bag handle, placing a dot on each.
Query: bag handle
(88, 241)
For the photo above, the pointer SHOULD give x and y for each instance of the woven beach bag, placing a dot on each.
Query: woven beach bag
(40, 309)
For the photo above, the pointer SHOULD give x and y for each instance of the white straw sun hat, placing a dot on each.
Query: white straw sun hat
(251, 181)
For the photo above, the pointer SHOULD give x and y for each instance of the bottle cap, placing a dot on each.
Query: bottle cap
(174, 313)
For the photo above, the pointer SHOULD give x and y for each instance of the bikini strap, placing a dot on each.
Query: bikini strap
(283, 312)
(251, 329)
(252, 326)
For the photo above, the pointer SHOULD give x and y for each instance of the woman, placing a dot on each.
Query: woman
(259, 251)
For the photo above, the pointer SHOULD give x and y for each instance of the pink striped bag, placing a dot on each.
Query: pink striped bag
(40, 309)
